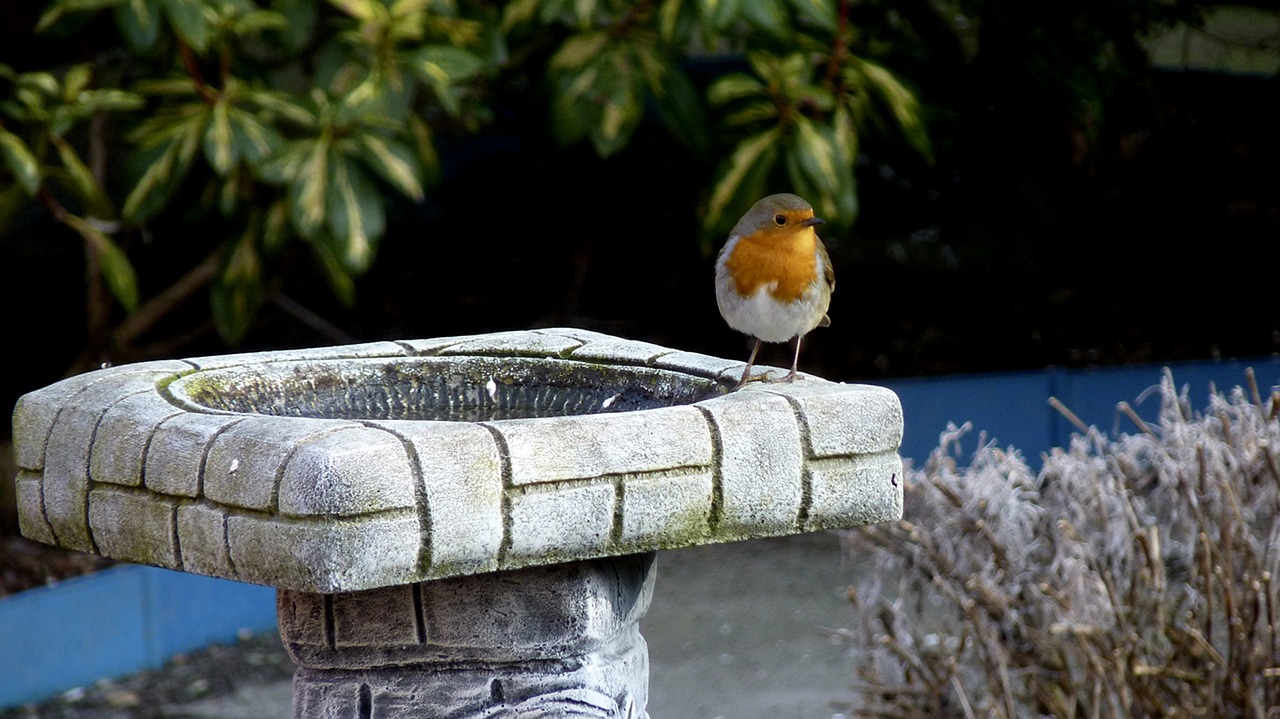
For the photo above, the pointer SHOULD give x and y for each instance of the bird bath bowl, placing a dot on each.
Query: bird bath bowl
(457, 527)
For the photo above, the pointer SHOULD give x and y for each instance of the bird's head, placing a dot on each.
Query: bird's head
(782, 216)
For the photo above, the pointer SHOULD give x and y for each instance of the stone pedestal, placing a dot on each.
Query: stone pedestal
(555, 641)
(458, 527)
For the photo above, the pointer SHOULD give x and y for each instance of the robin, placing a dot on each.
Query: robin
(773, 277)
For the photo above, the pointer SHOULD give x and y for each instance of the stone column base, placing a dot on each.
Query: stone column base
(554, 641)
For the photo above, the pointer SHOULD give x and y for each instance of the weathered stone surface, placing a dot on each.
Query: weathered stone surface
(843, 420)
(524, 344)
(31, 521)
(569, 522)
(131, 423)
(864, 490)
(134, 526)
(35, 412)
(560, 640)
(460, 474)
(610, 349)
(367, 349)
(202, 529)
(325, 555)
(245, 461)
(346, 473)
(350, 468)
(675, 507)
(605, 444)
(761, 463)
(177, 451)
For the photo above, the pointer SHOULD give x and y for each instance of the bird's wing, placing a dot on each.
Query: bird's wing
(828, 272)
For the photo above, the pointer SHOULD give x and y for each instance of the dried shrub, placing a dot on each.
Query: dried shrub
(1130, 577)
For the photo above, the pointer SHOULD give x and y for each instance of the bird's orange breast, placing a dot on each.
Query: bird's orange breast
(788, 263)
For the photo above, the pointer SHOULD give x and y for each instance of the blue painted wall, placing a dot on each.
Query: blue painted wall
(116, 622)
(130, 618)
(1013, 408)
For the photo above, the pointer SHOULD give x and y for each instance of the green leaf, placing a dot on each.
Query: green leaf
(340, 280)
(553, 11)
(517, 13)
(751, 158)
(355, 215)
(751, 113)
(902, 104)
(307, 188)
(236, 294)
(117, 271)
(219, 140)
(820, 12)
(169, 165)
(443, 66)
(816, 152)
(569, 121)
(768, 16)
(254, 22)
(110, 100)
(139, 22)
(845, 134)
(275, 226)
(424, 147)
(254, 142)
(192, 20)
(119, 275)
(363, 10)
(734, 86)
(299, 22)
(681, 108)
(821, 171)
(284, 165)
(584, 11)
(44, 82)
(720, 13)
(61, 7)
(447, 63)
(578, 50)
(278, 104)
(394, 162)
(81, 179)
(23, 165)
(675, 18)
(14, 202)
(76, 79)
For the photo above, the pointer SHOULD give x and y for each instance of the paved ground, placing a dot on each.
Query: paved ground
(735, 631)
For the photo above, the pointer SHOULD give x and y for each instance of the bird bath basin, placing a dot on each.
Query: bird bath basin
(457, 527)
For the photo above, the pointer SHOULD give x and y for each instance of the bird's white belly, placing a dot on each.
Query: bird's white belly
(765, 318)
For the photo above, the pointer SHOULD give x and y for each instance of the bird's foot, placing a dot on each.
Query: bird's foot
(766, 377)
(748, 379)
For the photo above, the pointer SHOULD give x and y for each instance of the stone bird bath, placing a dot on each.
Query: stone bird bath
(457, 527)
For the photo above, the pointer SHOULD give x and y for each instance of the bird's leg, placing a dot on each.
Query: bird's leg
(746, 373)
(795, 360)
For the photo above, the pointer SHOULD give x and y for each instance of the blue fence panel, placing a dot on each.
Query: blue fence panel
(70, 634)
(115, 622)
(1013, 408)
(188, 612)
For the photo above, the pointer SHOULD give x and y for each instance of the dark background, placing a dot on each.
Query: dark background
(1072, 217)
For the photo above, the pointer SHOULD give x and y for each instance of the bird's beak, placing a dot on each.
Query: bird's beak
(813, 221)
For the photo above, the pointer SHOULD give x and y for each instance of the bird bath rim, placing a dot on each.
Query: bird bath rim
(462, 388)
(123, 462)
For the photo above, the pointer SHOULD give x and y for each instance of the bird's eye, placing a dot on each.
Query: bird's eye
(780, 219)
